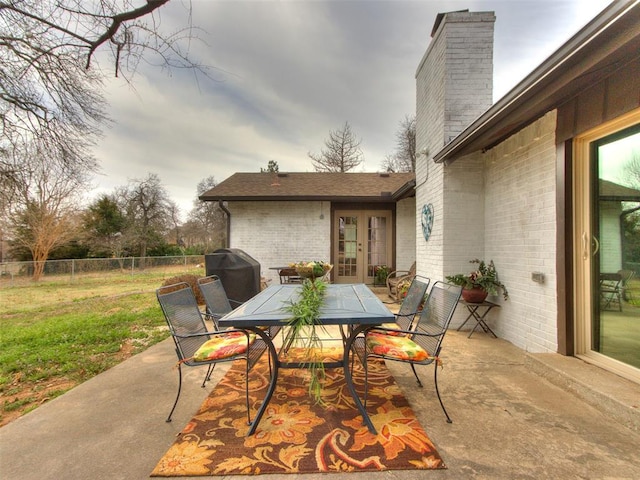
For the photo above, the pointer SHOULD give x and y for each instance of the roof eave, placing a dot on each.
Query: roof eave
(539, 86)
(405, 191)
(299, 198)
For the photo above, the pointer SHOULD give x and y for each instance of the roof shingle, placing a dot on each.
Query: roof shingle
(297, 186)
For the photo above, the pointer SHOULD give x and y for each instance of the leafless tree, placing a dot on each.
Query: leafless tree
(148, 210)
(42, 207)
(404, 158)
(50, 74)
(631, 170)
(341, 153)
(206, 224)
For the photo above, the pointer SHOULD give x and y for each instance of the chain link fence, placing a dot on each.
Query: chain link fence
(12, 273)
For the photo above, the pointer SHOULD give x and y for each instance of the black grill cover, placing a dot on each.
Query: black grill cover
(238, 271)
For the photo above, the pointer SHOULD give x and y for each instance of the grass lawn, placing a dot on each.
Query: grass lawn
(55, 334)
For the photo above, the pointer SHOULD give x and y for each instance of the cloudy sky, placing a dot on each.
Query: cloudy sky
(287, 73)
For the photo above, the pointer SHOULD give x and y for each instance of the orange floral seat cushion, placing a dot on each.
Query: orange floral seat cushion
(396, 347)
(223, 346)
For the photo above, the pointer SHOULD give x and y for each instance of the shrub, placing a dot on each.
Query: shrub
(192, 280)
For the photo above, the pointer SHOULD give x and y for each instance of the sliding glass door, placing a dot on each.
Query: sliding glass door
(607, 250)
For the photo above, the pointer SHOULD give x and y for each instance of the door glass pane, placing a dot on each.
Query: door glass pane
(347, 246)
(615, 326)
(376, 244)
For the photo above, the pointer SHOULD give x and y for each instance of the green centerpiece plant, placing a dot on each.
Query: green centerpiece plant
(303, 330)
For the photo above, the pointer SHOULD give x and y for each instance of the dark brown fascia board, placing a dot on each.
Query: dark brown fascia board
(549, 85)
(405, 191)
(297, 198)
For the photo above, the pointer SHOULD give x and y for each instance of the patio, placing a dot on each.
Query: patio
(509, 420)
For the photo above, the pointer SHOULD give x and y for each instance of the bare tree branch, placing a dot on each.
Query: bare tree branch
(48, 92)
(118, 20)
(404, 158)
(342, 152)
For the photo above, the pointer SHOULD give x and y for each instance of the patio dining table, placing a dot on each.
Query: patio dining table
(352, 305)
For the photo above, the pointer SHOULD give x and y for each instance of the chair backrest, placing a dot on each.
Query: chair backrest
(180, 308)
(412, 269)
(436, 316)
(411, 303)
(626, 275)
(215, 297)
(610, 281)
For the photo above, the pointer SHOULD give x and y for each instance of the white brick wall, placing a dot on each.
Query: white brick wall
(498, 205)
(520, 233)
(453, 87)
(610, 237)
(405, 239)
(429, 253)
(469, 74)
(277, 233)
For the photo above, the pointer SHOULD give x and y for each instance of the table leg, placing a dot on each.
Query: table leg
(349, 378)
(471, 314)
(275, 366)
(345, 366)
(481, 322)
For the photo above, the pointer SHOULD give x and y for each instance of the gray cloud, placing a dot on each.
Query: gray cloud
(286, 73)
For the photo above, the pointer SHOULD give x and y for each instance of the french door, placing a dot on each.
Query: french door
(362, 242)
(607, 245)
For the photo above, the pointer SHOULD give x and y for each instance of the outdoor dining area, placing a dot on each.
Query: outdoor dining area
(322, 377)
(509, 420)
(308, 363)
(347, 390)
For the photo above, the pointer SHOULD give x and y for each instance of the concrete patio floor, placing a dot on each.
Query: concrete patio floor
(515, 416)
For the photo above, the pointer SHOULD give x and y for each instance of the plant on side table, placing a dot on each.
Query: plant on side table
(480, 282)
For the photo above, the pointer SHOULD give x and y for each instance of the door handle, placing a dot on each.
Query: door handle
(585, 246)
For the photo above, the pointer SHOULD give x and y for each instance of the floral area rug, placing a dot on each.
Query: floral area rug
(297, 435)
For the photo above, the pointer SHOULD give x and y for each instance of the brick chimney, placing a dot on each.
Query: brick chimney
(454, 81)
(454, 86)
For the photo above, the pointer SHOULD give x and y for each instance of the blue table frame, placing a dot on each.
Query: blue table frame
(352, 305)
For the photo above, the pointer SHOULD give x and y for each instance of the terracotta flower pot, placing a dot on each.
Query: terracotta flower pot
(474, 295)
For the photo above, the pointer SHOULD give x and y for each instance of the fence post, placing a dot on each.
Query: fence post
(133, 261)
(73, 268)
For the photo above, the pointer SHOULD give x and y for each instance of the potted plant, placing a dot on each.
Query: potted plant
(479, 283)
(403, 289)
(381, 273)
(312, 270)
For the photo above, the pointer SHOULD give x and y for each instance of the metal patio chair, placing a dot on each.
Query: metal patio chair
(396, 278)
(626, 275)
(611, 291)
(421, 343)
(217, 304)
(410, 304)
(196, 346)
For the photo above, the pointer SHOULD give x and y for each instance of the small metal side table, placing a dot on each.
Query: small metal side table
(478, 311)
